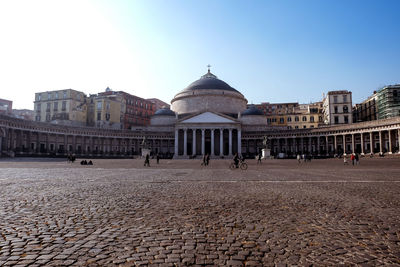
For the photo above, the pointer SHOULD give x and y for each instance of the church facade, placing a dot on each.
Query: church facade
(207, 117)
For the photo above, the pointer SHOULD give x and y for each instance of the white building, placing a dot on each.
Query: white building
(337, 107)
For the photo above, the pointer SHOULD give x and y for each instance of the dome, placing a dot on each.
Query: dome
(208, 94)
(252, 110)
(209, 81)
(164, 112)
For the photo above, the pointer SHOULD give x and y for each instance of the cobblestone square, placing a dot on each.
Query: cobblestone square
(278, 213)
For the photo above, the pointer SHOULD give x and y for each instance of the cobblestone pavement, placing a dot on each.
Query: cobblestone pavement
(178, 213)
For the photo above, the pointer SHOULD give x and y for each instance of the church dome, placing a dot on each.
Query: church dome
(211, 82)
(209, 94)
(252, 110)
(164, 112)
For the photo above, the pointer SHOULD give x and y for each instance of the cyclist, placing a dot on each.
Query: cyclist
(236, 160)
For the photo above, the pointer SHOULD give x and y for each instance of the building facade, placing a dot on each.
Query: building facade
(337, 107)
(388, 101)
(207, 117)
(61, 107)
(367, 110)
(5, 106)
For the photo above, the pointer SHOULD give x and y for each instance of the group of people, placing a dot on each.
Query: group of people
(206, 160)
(303, 158)
(354, 158)
(85, 162)
(147, 159)
(71, 158)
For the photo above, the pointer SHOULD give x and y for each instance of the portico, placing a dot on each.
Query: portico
(207, 133)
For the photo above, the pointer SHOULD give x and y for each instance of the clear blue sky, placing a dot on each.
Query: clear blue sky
(271, 51)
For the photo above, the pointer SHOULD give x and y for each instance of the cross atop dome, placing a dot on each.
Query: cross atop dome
(208, 66)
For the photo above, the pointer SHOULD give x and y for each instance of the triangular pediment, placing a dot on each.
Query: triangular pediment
(208, 117)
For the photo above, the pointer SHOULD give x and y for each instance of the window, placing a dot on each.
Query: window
(99, 105)
(336, 119)
(56, 95)
(136, 102)
(49, 96)
(281, 120)
(304, 126)
(65, 94)
(107, 116)
(107, 105)
(39, 97)
(289, 119)
(48, 117)
(146, 106)
(78, 97)
(55, 106)
(311, 126)
(320, 118)
(64, 105)
(38, 107)
(345, 109)
(141, 104)
(268, 120)
(38, 118)
(99, 116)
(296, 127)
(336, 109)
(304, 118)
(48, 107)
(296, 118)
(346, 119)
(312, 119)
(344, 98)
(335, 99)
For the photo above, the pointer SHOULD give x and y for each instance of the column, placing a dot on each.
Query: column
(212, 142)
(318, 145)
(352, 144)
(239, 141)
(309, 145)
(294, 145)
(185, 142)
(326, 145)
(302, 145)
(362, 143)
(221, 142)
(176, 143)
(65, 144)
(371, 143)
(194, 142)
(1, 141)
(73, 143)
(202, 142)
(344, 144)
(335, 143)
(380, 142)
(390, 142)
(230, 142)
(286, 146)
(398, 139)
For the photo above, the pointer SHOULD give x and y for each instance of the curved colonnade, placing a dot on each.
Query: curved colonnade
(27, 138)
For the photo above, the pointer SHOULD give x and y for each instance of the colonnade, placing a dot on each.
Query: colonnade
(382, 141)
(200, 141)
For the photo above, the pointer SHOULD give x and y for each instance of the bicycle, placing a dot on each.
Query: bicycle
(242, 165)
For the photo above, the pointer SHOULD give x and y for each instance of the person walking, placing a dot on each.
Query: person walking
(345, 160)
(147, 160)
(357, 159)
(298, 158)
(259, 158)
(158, 158)
(352, 158)
(207, 159)
(204, 160)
